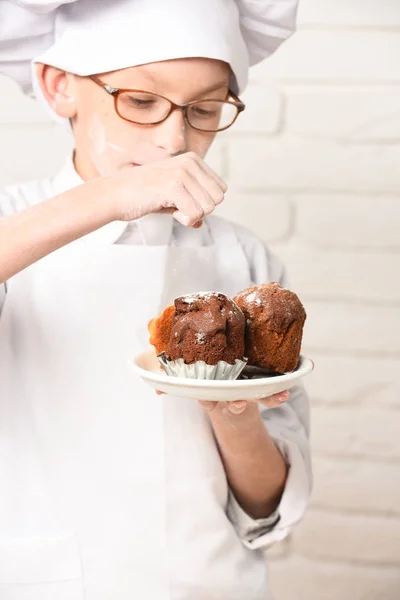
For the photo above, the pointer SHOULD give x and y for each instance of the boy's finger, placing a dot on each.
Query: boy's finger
(208, 405)
(275, 400)
(237, 406)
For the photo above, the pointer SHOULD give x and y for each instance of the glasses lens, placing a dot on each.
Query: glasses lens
(211, 115)
(142, 107)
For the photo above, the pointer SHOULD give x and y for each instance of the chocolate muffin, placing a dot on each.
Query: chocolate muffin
(207, 326)
(274, 326)
(160, 328)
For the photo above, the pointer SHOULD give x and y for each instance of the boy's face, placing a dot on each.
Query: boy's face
(105, 143)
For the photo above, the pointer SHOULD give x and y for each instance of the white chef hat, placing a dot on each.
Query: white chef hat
(95, 36)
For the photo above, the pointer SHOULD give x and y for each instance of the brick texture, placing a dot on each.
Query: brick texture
(358, 538)
(305, 579)
(370, 13)
(355, 485)
(340, 273)
(342, 56)
(352, 114)
(353, 327)
(362, 432)
(349, 221)
(290, 163)
(357, 380)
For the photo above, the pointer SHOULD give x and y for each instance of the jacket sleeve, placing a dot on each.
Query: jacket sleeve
(289, 426)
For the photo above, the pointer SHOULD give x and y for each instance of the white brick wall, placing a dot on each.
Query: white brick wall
(365, 539)
(357, 432)
(299, 578)
(289, 162)
(349, 13)
(342, 56)
(313, 168)
(344, 114)
(357, 486)
(328, 221)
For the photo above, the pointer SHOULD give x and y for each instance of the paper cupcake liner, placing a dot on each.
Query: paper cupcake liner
(200, 369)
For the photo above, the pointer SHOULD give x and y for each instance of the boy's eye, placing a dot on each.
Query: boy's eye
(138, 102)
(203, 113)
(206, 111)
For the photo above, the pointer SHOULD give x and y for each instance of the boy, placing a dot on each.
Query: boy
(110, 491)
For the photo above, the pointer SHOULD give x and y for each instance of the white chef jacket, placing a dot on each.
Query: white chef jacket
(288, 424)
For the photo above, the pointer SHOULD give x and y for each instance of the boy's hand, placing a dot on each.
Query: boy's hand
(184, 186)
(237, 407)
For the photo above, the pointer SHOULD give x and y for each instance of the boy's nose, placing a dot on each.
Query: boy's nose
(171, 133)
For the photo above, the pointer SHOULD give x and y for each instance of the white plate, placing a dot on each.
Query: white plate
(146, 365)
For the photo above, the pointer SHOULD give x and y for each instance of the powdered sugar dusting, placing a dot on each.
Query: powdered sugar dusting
(278, 304)
(253, 297)
(190, 298)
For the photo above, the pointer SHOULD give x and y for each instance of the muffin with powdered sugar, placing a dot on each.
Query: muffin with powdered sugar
(204, 338)
(274, 326)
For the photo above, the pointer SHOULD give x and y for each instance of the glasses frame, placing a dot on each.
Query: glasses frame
(115, 92)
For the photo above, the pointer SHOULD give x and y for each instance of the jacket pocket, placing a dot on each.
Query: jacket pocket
(45, 568)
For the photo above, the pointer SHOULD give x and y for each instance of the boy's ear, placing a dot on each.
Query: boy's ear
(59, 90)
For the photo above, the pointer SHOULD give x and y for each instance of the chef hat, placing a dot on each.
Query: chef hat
(96, 36)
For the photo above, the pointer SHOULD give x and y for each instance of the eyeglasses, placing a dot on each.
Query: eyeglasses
(147, 108)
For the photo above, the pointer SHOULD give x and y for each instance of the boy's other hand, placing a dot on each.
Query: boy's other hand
(183, 185)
